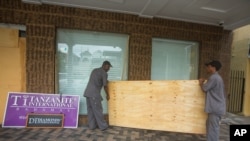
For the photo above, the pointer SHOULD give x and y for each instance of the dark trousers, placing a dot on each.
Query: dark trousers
(95, 114)
(213, 127)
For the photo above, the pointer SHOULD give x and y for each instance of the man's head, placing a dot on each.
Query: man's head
(106, 65)
(213, 66)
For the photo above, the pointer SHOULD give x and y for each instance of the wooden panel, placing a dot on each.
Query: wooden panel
(246, 100)
(8, 37)
(10, 67)
(22, 46)
(158, 105)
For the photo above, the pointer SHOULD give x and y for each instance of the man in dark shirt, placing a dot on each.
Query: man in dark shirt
(215, 104)
(97, 80)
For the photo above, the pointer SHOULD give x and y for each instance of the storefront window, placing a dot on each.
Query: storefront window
(79, 52)
(174, 60)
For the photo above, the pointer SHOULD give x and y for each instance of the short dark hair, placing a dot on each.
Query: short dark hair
(215, 64)
(107, 63)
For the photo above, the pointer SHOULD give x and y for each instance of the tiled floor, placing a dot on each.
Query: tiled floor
(113, 133)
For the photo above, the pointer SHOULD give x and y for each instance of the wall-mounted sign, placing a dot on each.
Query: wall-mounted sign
(45, 120)
(19, 105)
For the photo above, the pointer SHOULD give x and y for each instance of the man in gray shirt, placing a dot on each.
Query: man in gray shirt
(215, 104)
(97, 80)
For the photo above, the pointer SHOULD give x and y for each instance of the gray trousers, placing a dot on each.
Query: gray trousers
(213, 127)
(95, 114)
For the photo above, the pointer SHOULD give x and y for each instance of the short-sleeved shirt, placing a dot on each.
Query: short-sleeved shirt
(98, 79)
(215, 97)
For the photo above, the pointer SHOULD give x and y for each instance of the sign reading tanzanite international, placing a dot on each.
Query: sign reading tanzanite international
(19, 105)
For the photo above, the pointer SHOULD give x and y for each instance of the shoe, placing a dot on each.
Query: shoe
(104, 129)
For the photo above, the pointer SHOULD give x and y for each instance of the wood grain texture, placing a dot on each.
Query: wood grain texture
(8, 38)
(158, 105)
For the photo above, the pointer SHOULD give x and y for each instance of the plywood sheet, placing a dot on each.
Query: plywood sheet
(22, 47)
(176, 106)
(12, 67)
(8, 37)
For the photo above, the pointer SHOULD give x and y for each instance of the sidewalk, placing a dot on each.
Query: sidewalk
(113, 133)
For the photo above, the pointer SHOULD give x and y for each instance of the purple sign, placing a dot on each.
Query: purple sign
(19, 105)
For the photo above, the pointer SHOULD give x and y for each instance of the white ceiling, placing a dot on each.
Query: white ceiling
(231, 14)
